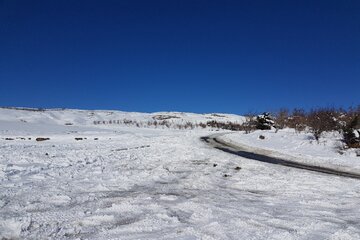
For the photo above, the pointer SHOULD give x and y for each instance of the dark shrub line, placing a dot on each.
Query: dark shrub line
(186, 125)
(317, 121)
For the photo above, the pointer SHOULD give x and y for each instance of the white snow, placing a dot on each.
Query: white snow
(356, 133)
(87, 117)
(142, 183)
(301, 147)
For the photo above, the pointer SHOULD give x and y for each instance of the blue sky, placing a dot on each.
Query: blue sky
(197, 56)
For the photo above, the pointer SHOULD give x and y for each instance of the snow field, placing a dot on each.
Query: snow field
(135, 183)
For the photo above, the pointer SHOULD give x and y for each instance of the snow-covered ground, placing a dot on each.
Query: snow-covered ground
(301, 147)
(87, 117)
(142, 183)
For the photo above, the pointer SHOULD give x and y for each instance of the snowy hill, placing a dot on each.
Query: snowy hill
(123, 181)
(20, 118)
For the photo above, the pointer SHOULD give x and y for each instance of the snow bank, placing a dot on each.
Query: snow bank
(300, 147)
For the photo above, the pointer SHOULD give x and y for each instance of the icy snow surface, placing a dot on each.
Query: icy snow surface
(138, 183)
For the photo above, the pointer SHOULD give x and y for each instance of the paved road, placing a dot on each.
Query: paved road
(220, 144)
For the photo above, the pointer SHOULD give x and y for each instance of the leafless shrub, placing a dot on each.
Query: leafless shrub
(202, 125)
(246, 126)
(189, 125)
(322, 120)
(298, 120)
(249, 125)
(127, 121)
(282, 118)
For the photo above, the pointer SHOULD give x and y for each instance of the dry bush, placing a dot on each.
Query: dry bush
(282, 118)
(323, 120)
(298, 120)
(249, 125)
(202, 125)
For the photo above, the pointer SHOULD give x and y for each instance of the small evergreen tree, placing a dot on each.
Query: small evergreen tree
(352, 133)
(264, 121)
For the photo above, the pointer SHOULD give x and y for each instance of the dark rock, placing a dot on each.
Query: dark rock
(39, 139)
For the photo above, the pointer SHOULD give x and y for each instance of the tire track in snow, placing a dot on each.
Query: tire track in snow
(222, 145)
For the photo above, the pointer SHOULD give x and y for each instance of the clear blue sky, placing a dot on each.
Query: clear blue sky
(198, 56)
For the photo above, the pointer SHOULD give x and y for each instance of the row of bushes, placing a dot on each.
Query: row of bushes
(184, 125)
(26, 109)
(317, 121)
(154, 124)
(329, 119)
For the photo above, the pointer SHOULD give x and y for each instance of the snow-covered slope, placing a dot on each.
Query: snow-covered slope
(126, 182)
(87, 117)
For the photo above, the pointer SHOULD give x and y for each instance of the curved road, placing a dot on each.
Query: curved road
(220, 144)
